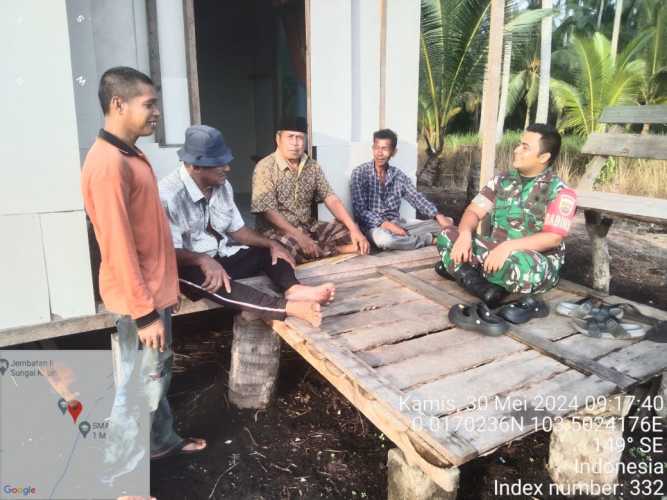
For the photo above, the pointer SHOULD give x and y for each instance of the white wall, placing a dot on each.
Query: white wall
(44, 258)
(345, 85)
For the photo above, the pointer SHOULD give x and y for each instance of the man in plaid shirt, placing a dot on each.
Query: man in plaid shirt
(377, 191)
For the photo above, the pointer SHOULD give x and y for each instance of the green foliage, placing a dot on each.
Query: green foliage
(597, 81)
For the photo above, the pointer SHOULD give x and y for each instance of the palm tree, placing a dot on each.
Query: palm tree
(654, 23)
(598, 81)
(524, 87)
(453, 46)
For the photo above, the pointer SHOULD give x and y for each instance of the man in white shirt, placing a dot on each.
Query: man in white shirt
(213, 245)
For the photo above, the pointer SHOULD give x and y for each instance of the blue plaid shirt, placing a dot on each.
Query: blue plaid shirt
(374, 203)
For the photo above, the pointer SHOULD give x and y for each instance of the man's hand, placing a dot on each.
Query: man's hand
(462, 248)
(308, 245)
(360, 242)
(215, 275)
(394, 228)
(152, 336)
(280, 252)
(496, 258)
(443, 221)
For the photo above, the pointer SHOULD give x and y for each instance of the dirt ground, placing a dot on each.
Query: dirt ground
(311, 443)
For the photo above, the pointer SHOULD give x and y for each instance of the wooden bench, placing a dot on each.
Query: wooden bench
(600, 209)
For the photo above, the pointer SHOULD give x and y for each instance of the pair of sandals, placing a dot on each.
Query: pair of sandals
(603, 321)
(482, 319)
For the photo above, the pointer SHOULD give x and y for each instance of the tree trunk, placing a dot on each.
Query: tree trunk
(545, 67)
(600, 14)
(617, 28)
(430, 172)
(527, 121)
(504, 89)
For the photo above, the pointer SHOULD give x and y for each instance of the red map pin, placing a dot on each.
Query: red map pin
(74, 408)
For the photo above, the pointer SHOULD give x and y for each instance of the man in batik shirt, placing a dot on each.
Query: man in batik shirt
(285, 186)
(531, 212)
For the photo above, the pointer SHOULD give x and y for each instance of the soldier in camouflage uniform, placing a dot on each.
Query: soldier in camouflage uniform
(531, 211)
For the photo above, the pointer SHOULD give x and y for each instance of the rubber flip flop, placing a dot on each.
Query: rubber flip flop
(658, 333)
(478, 318)
(585, 307)
(523, 310)
(179, 449)
(607, 326)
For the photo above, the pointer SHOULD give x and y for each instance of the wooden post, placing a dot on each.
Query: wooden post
(408, 481)
(491, 95)
(255, 362)
(598, 227)
(191, 61)
(383, 63)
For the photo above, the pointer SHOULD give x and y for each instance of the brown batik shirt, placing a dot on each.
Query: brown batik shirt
(275, 186)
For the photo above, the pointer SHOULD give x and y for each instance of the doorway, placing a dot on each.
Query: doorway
(251, 63)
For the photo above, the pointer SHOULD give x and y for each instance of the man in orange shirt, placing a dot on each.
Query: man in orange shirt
(138, 276)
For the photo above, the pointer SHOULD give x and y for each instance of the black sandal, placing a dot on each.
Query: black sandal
(523, 310)
(601, 324)
(658, 333)
(478, 318)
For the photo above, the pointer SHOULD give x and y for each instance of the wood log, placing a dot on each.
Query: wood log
(598, 227)
(254, 365)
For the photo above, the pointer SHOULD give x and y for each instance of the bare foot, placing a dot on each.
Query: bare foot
(322, 293)
(307, 311)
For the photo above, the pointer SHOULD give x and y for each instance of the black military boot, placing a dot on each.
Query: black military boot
(442, 271)
(473, 282)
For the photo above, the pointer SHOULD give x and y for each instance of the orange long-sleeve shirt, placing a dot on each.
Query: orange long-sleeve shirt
(138, 272)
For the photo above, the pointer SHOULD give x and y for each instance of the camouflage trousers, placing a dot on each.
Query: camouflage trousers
(523, 272)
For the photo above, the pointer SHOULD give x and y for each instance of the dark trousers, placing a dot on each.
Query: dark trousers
(245, 263)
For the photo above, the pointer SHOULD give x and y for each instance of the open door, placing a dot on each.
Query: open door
(363, 68)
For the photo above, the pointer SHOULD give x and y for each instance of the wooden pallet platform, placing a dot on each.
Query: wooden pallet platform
(444, 395)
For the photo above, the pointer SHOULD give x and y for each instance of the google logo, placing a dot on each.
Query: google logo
(24, 491)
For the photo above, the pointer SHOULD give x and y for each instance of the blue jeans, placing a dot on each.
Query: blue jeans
(420, 234)
(142, 377)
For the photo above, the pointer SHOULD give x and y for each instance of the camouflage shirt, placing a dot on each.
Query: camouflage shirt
(524, 206)
(275, 186)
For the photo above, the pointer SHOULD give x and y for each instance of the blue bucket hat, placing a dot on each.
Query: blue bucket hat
(205, 147)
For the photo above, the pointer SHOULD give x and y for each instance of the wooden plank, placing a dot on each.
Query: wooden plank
(490, 427)
(481, 384)
(441, 359)
(371, 337)
(653, 113)
(413, 311)
(653, 147)
(624, 205)
(381, 299)
(460, 348)
(642, 360)
(379, 402)
(546, 347)
(572, 358)
(431, 292)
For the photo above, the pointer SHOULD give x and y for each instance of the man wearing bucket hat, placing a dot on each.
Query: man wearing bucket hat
(213, 245)
(285, 185)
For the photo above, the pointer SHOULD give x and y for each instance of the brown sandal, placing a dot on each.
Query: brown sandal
(179, 449)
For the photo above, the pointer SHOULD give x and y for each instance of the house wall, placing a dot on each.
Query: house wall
(44, 260)
(53, 56)
(345, 86)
